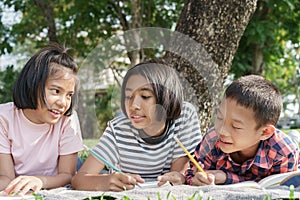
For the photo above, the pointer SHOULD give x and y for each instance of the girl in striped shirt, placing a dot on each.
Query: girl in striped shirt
(141, 141)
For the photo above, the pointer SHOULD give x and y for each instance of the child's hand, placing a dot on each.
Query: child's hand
(120, 182)
(22, 185)
(175, 178)
(201, 178)
(220, 176)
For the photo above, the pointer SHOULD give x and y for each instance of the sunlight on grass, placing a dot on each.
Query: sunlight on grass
(90, 143)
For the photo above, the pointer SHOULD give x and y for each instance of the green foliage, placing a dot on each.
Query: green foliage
(83, 24)
(7, 80)
(105, 106)
(274, 23)
(89, 143)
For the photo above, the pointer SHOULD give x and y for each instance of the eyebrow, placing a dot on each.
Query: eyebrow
(60, 88)
(145, 88)
(235, 120)
(238, 121)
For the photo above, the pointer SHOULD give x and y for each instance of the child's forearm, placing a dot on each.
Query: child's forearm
(59, 180)
(90, 182)
(4, 181)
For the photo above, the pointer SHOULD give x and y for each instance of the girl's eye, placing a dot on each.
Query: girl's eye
(146, 96)
(127, 97)
(70, 95)
(55, 91)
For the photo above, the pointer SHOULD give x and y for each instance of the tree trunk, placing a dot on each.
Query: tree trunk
(217, 26)
(47, 8)
(258, 60)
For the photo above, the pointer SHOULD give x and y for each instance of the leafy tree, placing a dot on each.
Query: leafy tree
(83, 24)
(7, 80)
(90, 22)
(263, 42)
(216, 25)
(286, 74)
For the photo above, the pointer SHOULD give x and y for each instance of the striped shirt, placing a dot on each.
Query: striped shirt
(122, 145)
(278, 154)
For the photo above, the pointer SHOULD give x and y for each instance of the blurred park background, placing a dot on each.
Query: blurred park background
(269, 45)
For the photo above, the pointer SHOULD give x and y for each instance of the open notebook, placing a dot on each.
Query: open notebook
(151, 184)
(288, 178)
(26, 197)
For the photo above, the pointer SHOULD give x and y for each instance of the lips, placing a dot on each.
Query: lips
(55, 113)
(222, 141)
(137, 118)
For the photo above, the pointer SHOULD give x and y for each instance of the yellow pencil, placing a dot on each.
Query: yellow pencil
(189, 155)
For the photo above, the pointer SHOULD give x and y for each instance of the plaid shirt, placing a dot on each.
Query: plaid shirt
(278, 154)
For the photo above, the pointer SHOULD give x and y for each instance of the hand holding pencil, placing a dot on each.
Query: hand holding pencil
(108, 164)
(190, 156)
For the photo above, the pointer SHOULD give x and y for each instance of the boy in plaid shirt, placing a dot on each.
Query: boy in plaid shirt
(244, 143)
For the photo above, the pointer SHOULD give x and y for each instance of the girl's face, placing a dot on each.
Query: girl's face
(59, 89)
(140, 104)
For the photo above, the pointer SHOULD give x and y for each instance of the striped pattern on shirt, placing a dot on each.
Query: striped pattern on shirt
(121, 145)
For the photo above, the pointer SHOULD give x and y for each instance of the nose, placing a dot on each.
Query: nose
(62, 101)
(222, 131)
(221, 128)
(136, 103)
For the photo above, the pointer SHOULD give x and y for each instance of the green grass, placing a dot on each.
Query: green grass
(89, 143)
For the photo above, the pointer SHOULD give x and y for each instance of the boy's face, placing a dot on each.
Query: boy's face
(140, 104)
(236, 127)
(59, 89)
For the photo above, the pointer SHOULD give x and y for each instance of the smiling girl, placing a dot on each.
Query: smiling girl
(39, 131)
(141, 142)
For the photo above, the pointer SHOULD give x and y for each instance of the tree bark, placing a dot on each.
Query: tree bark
(47, 8)
(217, 25)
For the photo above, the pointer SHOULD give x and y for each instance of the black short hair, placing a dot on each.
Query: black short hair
(259, 94)
(166, 86)
(30, 85)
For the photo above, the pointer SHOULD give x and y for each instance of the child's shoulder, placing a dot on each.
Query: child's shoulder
(120, 120)
(188, 106)
(188, 110)
(281, 143)
(279, 137)
(7, 109)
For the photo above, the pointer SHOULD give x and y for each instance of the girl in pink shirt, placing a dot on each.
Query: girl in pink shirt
(39, 131)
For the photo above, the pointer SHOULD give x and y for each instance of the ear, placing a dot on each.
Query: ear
(267, 131)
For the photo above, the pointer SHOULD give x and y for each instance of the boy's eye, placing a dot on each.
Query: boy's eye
(219, 117)
(127, 97)
(235, 127)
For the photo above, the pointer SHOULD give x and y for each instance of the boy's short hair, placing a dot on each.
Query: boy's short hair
(259, 94)
(30, 85)
(166, 86)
